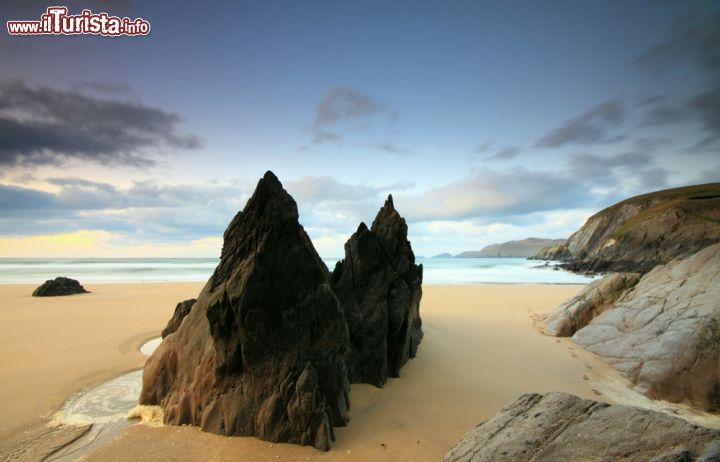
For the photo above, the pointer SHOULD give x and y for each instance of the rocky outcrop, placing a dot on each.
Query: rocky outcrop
(524, 248)
(181, 310)
(562, 427)
(642, 232)
(262, 351)
(594, 299)
(379, 287)
(59, 286)
(664, 335)
(553, 252)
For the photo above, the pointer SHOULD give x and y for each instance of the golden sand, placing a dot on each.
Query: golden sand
(480, 351)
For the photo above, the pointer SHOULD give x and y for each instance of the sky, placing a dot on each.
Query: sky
(486, 120)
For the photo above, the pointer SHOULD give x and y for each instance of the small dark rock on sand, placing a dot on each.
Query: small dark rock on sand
(59, 286)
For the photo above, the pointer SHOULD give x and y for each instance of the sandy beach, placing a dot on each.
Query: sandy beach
(481, 349)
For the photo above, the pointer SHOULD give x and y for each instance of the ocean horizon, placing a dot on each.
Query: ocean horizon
(150, 270)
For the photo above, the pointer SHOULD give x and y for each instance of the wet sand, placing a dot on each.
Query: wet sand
(481, 349)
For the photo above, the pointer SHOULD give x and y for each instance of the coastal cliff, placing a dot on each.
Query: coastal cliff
(513, 249)
(658, 325)
(639, 233)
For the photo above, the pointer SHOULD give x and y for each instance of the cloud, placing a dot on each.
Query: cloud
(484, 148)
(145, 209)
(707, 107)
(711, 175)
(97, 243)
(341, 104)
(390, 148)
(348, 114)
(322, 136)
(493, 193)
(104, 88)
(592, 127)
(505, 153)
(634, 166)
(40, 125)
(693, 42)
(694, 38)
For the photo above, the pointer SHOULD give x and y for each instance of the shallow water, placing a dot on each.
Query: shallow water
(104, 407)
(108, 401)
(150, 346)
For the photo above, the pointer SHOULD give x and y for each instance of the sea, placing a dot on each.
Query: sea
(435, 270)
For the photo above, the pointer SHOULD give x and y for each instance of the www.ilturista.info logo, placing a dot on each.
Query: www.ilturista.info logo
(56, 21)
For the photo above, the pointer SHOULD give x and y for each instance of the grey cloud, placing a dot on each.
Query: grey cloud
(707, 107)
(505, 154)
(694, 38)
(484, 148)
(104, 88)
(344, 112)
(664, 114)
(390, 148)
(711, 175)
(599, 170)
(693, 41)
(47, 126)
(654, 178)
(322, 136)
(345, 104)
(651, 100)
(589, 128)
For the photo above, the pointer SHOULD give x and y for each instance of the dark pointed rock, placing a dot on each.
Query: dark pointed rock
(181, 310)
(59, 286)
(262, 351)
(379, 286)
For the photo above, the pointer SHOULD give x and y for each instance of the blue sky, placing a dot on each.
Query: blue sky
(486, 120)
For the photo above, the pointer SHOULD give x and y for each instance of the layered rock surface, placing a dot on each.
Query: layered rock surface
(665, 333)
(379, 287)
(181, 310)
(639, 233)
(562, 427)
(59, 286)
(262, 351)
(594, 299)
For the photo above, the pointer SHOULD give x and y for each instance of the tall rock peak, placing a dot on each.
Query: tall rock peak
(379, 288)
(262, 352)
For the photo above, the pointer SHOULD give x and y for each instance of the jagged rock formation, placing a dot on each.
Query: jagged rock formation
(59, 286)
(594, 299)
(642, 232)
(262, 351)
(181, 310)
(562, 427)
(664, 335)
(379, 286)
(512, 249)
